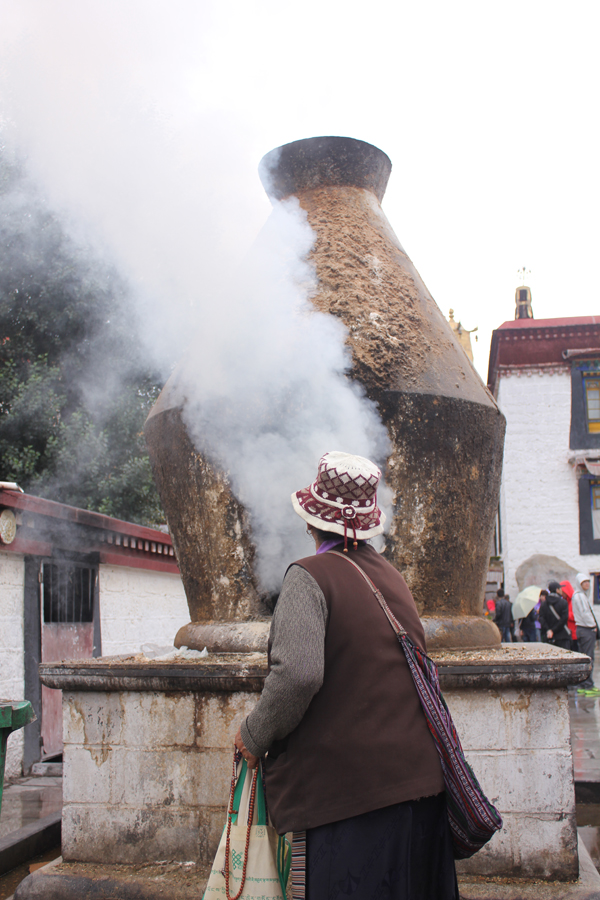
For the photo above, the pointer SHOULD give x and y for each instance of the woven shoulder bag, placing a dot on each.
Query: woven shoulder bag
(473, 819)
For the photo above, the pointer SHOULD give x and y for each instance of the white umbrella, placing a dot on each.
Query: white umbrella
(525, 601)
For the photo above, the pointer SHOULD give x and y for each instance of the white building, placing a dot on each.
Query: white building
(545, 376)
(75, 584)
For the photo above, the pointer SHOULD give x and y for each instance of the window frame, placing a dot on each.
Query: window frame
(593, 425)
(581, 438)
(78, 604)
(588, 544)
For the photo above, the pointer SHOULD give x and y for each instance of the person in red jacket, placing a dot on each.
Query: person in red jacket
(566, 591)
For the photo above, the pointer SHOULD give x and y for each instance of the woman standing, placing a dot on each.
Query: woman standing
(351, 768)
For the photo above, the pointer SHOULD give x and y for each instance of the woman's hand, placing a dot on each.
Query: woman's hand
(251, 760)
(549, 634)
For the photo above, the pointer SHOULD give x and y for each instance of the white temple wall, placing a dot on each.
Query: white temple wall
(539, 497)
(12, 649)
(139, 606)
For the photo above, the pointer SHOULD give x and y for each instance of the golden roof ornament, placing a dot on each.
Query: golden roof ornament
(463, 335)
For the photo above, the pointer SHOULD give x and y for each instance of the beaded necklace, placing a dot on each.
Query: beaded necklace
(233, 812)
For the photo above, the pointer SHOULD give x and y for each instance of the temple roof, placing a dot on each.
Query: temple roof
(45, 526)
(523, 343)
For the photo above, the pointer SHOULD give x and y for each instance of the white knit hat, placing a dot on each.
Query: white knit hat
(343, 497)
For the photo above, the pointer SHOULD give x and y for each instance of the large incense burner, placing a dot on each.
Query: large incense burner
(445, 428)
(147, 743)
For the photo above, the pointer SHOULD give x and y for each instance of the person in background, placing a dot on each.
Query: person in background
(513, 625)
(554, 613)
(503, 616)
(543, 595)
(566, 591)
(529, 631)
(587, 630)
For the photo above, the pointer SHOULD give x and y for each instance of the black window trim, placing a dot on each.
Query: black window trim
(588, 545)
(580, 438)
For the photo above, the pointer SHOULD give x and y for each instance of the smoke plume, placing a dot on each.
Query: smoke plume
(267, 393)
(109, 104)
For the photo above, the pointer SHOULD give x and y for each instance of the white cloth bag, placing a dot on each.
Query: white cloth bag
(262, 878)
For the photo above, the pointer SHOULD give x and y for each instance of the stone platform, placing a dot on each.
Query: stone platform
(171, 881)
(585, 887)
(148, 753)
(148, 749)
(510, 707)
(87, 881)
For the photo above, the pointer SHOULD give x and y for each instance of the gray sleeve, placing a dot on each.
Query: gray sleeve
(297, 662)
(583, 612)
(578, 608)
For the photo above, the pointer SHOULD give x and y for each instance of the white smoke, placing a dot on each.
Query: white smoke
(110, 102)
(267, 392)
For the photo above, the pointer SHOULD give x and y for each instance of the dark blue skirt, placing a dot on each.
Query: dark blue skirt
(401, 852)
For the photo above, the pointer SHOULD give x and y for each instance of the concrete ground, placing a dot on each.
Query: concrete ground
(29, 827)
(585, 736)
(28, 800)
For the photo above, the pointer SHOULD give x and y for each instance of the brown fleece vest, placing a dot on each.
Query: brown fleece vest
(363, 743)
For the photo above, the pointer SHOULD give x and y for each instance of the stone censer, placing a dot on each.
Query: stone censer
(444, 426)
(148, 744)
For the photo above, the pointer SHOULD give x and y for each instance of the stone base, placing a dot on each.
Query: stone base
(442, 633)
(510, 707)
(225, 637)
(460, 633)
(148, 752)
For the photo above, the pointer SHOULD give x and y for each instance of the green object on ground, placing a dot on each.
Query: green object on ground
(14, 714)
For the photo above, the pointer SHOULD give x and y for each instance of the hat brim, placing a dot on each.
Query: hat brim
(362, 534)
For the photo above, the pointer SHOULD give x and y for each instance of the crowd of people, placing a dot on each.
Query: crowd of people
(562, 616)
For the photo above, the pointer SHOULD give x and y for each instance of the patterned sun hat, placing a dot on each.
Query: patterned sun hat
(343, 497)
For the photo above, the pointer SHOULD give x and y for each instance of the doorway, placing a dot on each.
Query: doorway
(68, 600)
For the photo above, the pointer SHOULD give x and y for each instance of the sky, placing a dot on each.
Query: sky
(145, 123)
